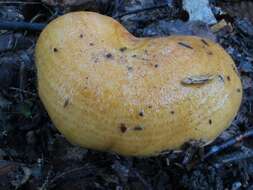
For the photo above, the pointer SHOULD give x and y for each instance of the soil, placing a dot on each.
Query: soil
(34, 155)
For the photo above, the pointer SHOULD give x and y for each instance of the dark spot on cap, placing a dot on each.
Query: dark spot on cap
(144, 59)
(210, 122)
(228, 77)
(123, 49)
(123, 127)
(129, 68)
(209, 53)
(172, 112)
(221, 78)
(235, 70)
(138, 128)
(185, 45)
(108, 55)
(238, 90)
(141, 113)
(156, 65)
(87, 78)
(91, 44)
(66, 103)
(204, 42)
(96, 60)
(81, 35)
(55, 50)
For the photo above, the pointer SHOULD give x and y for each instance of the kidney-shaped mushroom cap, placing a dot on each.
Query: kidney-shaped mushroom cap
(105, 89)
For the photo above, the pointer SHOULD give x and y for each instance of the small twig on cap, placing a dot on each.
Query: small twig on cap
(21, 25)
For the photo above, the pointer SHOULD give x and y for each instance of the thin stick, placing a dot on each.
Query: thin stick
(16, 25)
(23, 91)
(237, 156)
(218, 148)
(19, 2)
(141, 10)
(20, 25)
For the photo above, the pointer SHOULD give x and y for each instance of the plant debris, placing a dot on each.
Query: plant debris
(199, 10)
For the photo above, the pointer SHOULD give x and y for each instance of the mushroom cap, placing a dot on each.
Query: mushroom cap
(107, 90)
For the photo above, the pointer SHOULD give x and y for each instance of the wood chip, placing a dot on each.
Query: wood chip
(221, 25)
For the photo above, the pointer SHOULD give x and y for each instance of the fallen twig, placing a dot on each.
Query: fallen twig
(233, 157)
(21, 25)
(71, 175)
(23, 91)
(20, 2)
(142, 180)
(218, 148)
(141, 10)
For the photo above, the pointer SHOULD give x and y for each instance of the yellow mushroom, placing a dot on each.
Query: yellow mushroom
(107, 90)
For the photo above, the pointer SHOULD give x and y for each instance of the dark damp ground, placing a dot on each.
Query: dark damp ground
(33, 155)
